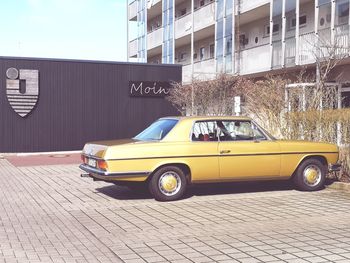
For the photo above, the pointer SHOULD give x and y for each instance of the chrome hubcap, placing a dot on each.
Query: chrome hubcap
(312, 175)
(169, 183)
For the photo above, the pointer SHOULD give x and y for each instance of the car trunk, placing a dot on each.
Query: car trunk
(98, 149)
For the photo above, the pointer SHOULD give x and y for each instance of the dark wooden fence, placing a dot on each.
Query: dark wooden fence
(81, 101)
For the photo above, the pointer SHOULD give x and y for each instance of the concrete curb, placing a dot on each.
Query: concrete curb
(339, 186)
(3, 155)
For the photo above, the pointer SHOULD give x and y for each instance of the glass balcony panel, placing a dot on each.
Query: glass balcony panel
(290, 52)
(306, 47)
(253, 60)
(276, 54)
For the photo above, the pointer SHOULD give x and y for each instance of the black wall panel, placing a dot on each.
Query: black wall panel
(81, 101)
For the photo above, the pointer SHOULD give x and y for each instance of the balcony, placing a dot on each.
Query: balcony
(133, 48)
(254, 60)
(183, 26)
(154, 38)
(132, 9)
(202, 70)
(306, 48)
(204, 17)
(247, 5)
(153, 2)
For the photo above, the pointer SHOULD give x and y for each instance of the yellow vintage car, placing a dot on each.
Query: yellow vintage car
(174, 152)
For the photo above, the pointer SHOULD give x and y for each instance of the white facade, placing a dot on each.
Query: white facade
(235, 36)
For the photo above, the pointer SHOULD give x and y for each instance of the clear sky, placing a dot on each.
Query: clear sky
(74, 29)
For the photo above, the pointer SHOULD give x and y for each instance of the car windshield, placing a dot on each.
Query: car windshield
(157, 131)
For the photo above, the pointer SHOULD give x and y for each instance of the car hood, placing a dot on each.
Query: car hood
(306, 146)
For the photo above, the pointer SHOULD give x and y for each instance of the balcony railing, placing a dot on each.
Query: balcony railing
(258, 59)
(247, 5)
(290, 53)
(277, 54)
(132, 10)
(203, 70)
(307, 48)
(341, 41)
(254, 59)
(133, 48)
(183, 26)
(154, 38)
(204, 17)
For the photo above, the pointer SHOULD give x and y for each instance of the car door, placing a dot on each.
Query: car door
(204, 151)
(246, 152)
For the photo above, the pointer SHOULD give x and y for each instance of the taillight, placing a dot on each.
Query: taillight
(83, 158)
(102, 164)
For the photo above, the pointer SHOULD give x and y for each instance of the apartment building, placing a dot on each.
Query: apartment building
(246, 37)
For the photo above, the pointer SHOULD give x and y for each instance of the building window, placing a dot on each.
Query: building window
(211, 50)
(201, 53)
(302, 21)
(343, 10)
(243, 40)
(195, 56)
(322, 21)
(275, 30)
(183, 12)
(201, 3)
(342, 13)
(183, 56)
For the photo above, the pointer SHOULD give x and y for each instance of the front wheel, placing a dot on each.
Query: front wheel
(310, 175)
(168, 184)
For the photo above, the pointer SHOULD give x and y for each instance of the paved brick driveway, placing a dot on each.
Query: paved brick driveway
(49, 213)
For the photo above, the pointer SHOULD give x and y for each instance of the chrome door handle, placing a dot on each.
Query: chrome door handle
(225, 151)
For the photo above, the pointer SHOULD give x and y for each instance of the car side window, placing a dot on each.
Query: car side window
(239, 131)
(204, 131)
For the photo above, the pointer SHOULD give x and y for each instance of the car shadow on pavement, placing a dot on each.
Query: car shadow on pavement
(238, 188)
(123, 193)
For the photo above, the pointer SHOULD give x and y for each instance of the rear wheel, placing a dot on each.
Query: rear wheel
(168, 184)
(310, 175)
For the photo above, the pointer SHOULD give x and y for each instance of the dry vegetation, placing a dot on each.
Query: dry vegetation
(264, 101)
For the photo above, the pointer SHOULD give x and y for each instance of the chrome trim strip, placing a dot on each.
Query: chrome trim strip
(217, 155)
(96, 171)
(91, 156)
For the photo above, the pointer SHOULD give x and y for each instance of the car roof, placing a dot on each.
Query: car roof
(203, 118)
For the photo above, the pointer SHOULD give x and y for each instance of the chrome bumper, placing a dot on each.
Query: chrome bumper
(107, 176)
(334, 167)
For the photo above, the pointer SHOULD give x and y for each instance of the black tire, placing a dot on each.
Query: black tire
(310, 175)
(162, 175)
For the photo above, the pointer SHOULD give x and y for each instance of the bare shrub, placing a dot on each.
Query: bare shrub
(213, 97)
(264, 101)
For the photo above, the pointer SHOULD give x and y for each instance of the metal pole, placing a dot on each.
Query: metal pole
(192, 59)
(127, 32)
(339, 135)
(283, 32)
(333, 22)
(297, 59)
(271, 31)
(317, 46)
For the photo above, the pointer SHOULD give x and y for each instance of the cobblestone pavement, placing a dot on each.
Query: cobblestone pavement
(50, 214)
